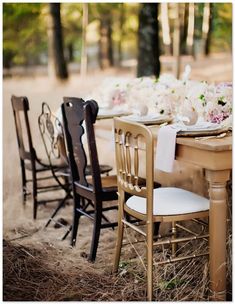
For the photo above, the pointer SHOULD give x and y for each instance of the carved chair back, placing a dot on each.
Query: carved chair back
(78, 120)
(50, 130)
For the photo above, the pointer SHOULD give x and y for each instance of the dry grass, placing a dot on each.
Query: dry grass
(37, 267)
(46, 274)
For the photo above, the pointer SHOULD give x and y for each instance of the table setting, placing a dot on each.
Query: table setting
(167, 100)
(180, 107)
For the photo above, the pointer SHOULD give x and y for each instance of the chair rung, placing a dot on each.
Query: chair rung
(85, 213)
(200, 222)
(58, 223)
(49, 201)
(133, 243)
(181, 258)
(187, 230)
(180, 240)
(109, 225)
(49, 188)
(134, 227)
(109, 208)
(41, 178)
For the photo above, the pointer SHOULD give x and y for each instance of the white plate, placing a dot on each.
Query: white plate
(148, 119)
(199, 127)
(109, 113)
(202, 128)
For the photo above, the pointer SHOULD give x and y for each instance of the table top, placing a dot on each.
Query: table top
(213, 144)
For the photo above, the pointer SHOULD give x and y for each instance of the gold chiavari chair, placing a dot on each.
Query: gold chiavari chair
(149, 205)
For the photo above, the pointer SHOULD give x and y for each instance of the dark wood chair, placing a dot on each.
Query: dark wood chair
(41, 178)
(92, 195)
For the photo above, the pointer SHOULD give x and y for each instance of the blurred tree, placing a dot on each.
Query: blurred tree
(206, 27)
(104, 13)
(71, 14)
(56, 62)
(148, 41)
(24, 34)
(121, 34)
(165, 28)
(106, 48)
(176, 40)
(84, 39)
(221, 36)
(184, 27)
(125, 28)
(190, 32)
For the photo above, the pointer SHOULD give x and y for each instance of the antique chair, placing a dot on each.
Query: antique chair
(52, 138)
(147, 204)
(51, 130)
(42, 179)
(93, 195)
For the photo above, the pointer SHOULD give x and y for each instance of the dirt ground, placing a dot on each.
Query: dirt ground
(25, 236)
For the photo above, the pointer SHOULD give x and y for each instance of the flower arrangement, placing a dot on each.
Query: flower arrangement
(170, 96)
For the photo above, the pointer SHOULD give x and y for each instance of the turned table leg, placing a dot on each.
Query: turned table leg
(217, 228)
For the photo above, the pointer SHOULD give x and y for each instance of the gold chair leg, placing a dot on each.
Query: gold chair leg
(120, 230)
(174, 235)
(150, 261)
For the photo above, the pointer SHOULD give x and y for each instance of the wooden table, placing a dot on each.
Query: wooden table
(215, 156)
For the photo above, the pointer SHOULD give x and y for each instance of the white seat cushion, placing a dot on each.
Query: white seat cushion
(170, 201)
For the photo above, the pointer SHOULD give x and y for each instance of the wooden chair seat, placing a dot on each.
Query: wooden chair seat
(109, 183)
(44, 165)
(104, 169)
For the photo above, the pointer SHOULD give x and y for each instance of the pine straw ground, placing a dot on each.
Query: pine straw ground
(37, 268)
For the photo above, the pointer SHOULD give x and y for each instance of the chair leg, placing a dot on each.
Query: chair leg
(76, 217)
(96, 231)
(120, 230)
(60, 205)
(67, 233)
(35, 202)
(23, 175)
(156, 229)
(150, 261)
(174, 235)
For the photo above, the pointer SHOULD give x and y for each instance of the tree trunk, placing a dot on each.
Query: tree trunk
(56, 61)
(105, 44)
(165, 28)
(190, 34)
(184, 28)
(206, 27)
(176, 41)
(84, 40)
(121, 22)
(148, 41)
(70, 52)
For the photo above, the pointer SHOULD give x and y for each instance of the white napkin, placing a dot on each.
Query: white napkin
(166, 143)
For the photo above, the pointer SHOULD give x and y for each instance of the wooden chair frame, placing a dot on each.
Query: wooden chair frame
(127, 137)
(75, 112)
(28, 157)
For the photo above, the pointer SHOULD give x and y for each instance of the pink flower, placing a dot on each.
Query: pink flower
(118, 98)
(216, 117)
